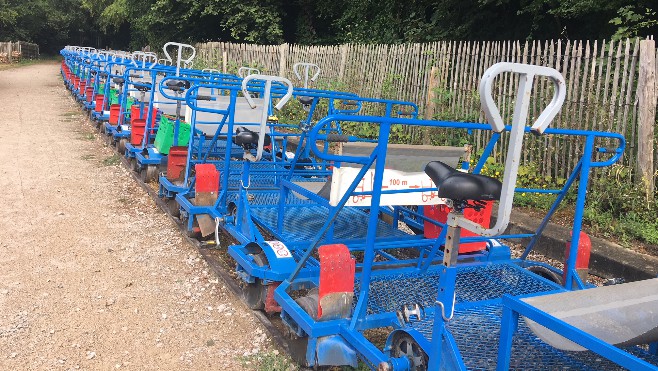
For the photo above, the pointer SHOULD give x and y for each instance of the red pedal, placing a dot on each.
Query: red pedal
(135, 113)
(137, 131)
(336, 291)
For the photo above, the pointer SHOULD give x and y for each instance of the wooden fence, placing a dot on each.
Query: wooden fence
(610, 85)
(18, 50)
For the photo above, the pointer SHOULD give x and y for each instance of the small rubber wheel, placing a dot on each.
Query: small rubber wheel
(404, 345)
(546, 273)
(256, 293)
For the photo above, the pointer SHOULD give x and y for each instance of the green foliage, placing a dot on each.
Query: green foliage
(616, 205)
(271, 361)
(45, 22)
(631, 23)
(255, 21)
(112, 160)
(132, 24)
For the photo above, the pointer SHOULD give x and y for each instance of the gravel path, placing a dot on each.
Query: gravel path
(93, 275)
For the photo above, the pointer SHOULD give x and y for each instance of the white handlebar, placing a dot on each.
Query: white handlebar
(249, 71)
(267, 95)
(179, 57)
(307, 67)
(527, 75)
(140, 56)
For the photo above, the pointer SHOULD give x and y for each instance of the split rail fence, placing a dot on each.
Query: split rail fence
(611, 85)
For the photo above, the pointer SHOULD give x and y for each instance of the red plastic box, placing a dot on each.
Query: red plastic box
(440, 214)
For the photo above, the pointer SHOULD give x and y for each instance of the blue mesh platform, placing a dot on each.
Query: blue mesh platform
(474, 283)
(262, 198)
(301, 223)
(477, 332)
(266, 181)
(219, 149)
(263, 175)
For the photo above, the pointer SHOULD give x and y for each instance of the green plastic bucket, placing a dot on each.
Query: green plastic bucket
(164, 138)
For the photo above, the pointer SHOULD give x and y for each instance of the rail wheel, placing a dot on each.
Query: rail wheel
(256, 293)
(404, 345)
(149, 173)
(173, 207)
(546, 273)
(121, 145)
(134, 166)
(299, 345)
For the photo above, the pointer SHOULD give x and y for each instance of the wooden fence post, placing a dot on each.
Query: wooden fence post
(646, 91)
(430, 104)
(282, 60)
(343, 61)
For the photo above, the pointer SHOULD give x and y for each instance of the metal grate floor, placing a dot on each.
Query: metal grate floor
(263, 198)
(265, 181)
(218, 149)
(477, 332)
(303, 222)
(475, 283)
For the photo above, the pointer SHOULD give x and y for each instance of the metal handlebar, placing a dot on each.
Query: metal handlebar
(179, 57)
(527, 75)
(248, 70)
(144, 57)
(267, 95)
(307, 67)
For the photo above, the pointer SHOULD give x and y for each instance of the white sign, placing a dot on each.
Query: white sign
(393, 180)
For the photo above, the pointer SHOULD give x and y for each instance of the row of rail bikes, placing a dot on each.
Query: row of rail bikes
(365, 256)
(340, 275)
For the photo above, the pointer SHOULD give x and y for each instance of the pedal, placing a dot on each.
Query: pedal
(405, 313)
(614, 281)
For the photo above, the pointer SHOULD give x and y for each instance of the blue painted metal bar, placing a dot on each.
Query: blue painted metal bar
(567, 185)
(572, 333)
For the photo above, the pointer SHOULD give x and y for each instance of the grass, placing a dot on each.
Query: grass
(270, 361)
(112, 160)
(276, 361)
(88, 157)
(88, 136)
(26, 62)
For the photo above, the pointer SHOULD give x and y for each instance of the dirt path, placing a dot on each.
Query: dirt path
(92, 274)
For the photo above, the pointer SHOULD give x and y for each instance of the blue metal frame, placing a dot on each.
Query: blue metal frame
(339, 341)
(513, 307)
(359, 318)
